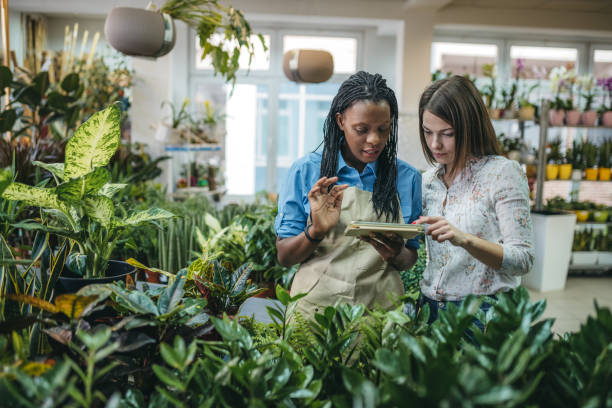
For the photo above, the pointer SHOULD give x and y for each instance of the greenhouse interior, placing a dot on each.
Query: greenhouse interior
(349, 203)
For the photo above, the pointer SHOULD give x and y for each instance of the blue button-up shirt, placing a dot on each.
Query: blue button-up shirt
(293, 205)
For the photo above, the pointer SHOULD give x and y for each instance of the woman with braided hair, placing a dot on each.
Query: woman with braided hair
(355, 177)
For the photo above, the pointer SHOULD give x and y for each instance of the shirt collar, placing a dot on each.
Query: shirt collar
(341, 164)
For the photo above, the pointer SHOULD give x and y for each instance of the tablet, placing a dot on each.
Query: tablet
(406, 231)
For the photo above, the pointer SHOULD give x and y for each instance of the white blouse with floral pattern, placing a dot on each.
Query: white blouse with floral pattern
(489, 198)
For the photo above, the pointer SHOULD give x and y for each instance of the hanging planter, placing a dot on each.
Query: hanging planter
(310, 66)
(140, 32)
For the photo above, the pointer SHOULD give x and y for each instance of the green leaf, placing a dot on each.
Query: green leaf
(70, 82)
(110, 189)
(6, 178)
(212, 223)
(34, 196)
(95, 341)
(93, 143)
(6, 77)
(172, 295)
(41, 82)
(75, 189)
(99, 208)
(8, 117)
(150, 214)
(57, 169)
(168, 377)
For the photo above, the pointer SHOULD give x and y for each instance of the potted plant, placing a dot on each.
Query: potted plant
(576, 157)
(605, 150)
(81, 206)
(556, 114)
(572, 114)
(172, 129)
(590, 160)
(566, 167)
(606, 108)
(553, 157)
(600, 213)
(527, 109)
(589, 116)
(489, 90)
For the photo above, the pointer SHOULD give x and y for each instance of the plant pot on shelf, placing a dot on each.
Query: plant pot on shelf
(514, 155)
(582, 215)
(588, 118)
(565, 171)
(572, 117)
(494, 113)
(604, 173)
(115, 271)
(604, 258)
(555, 117)
(552, 171)
(526, 113)
(584, 258)
(606, 118)
(509, 114)
(591, 174)
(600, 216)
(577, 174)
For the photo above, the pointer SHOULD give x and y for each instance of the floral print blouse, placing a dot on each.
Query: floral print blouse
(489, 198)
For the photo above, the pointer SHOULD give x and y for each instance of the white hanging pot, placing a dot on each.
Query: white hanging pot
(311, 66)
(140, 32)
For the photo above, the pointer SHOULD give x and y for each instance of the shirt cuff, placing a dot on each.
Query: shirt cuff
(413, 243)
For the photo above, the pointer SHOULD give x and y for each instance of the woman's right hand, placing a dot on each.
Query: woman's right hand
(325, 205)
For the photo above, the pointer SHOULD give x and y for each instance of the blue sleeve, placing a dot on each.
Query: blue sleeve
(409, 189)
(292, 210)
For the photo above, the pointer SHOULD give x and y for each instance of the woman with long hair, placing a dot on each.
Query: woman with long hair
(475, 201)
(355, 177)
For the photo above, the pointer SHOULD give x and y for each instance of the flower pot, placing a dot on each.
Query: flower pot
(526, 113)
(604, 258)
(494, 113)
(552, 171)
(604, 173)
(509, 114)
(591, 174)
(582, 215)
(588, 118)
(514, 155)
(115, 271)
(606, 118)
(577, 174)
(572, 117)
(565, 171)
(140, 32)
(555, 117)
(584, 258)
(600, 216)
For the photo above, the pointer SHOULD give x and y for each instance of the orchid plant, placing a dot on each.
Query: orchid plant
(606, 85)
(561, 81)
(488, 91)
(585, 83)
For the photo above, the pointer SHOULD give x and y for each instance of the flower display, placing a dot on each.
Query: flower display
(606, 85)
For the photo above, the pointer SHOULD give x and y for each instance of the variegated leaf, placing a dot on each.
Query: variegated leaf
(34, 196)
(212, 223)
(5, 179)
(150, 214)
(93, 143)
(75, 189)
(99, 208)
(57, 169)
(110, 189)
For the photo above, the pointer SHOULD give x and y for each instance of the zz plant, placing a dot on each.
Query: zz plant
(81, 206)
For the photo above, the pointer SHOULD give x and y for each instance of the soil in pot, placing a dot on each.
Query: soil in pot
(116, 271)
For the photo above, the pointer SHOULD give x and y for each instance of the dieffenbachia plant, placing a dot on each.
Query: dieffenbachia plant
(80, 207)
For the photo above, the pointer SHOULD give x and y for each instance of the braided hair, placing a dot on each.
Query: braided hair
(363, 86)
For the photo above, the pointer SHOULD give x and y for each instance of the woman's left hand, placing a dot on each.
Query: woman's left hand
(388, 245)
(441, 230)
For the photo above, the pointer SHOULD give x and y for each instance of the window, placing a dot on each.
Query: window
(343, 49)
(602, 63)
(261, 57)
(538, 61)
(462, 58)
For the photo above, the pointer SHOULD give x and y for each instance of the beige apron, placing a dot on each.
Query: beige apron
(346, 269)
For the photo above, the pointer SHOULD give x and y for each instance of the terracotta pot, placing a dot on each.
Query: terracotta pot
(494, 113)
(606, 118)
(604, 173)
(582, 215)
(591, 174)
(565, 171)
(572, 117)
(526, 113)
(588, 118)
(552, 171)
(555, 117)
(151, 276)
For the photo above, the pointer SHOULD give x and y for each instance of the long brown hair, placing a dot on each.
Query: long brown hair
(457, 101)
